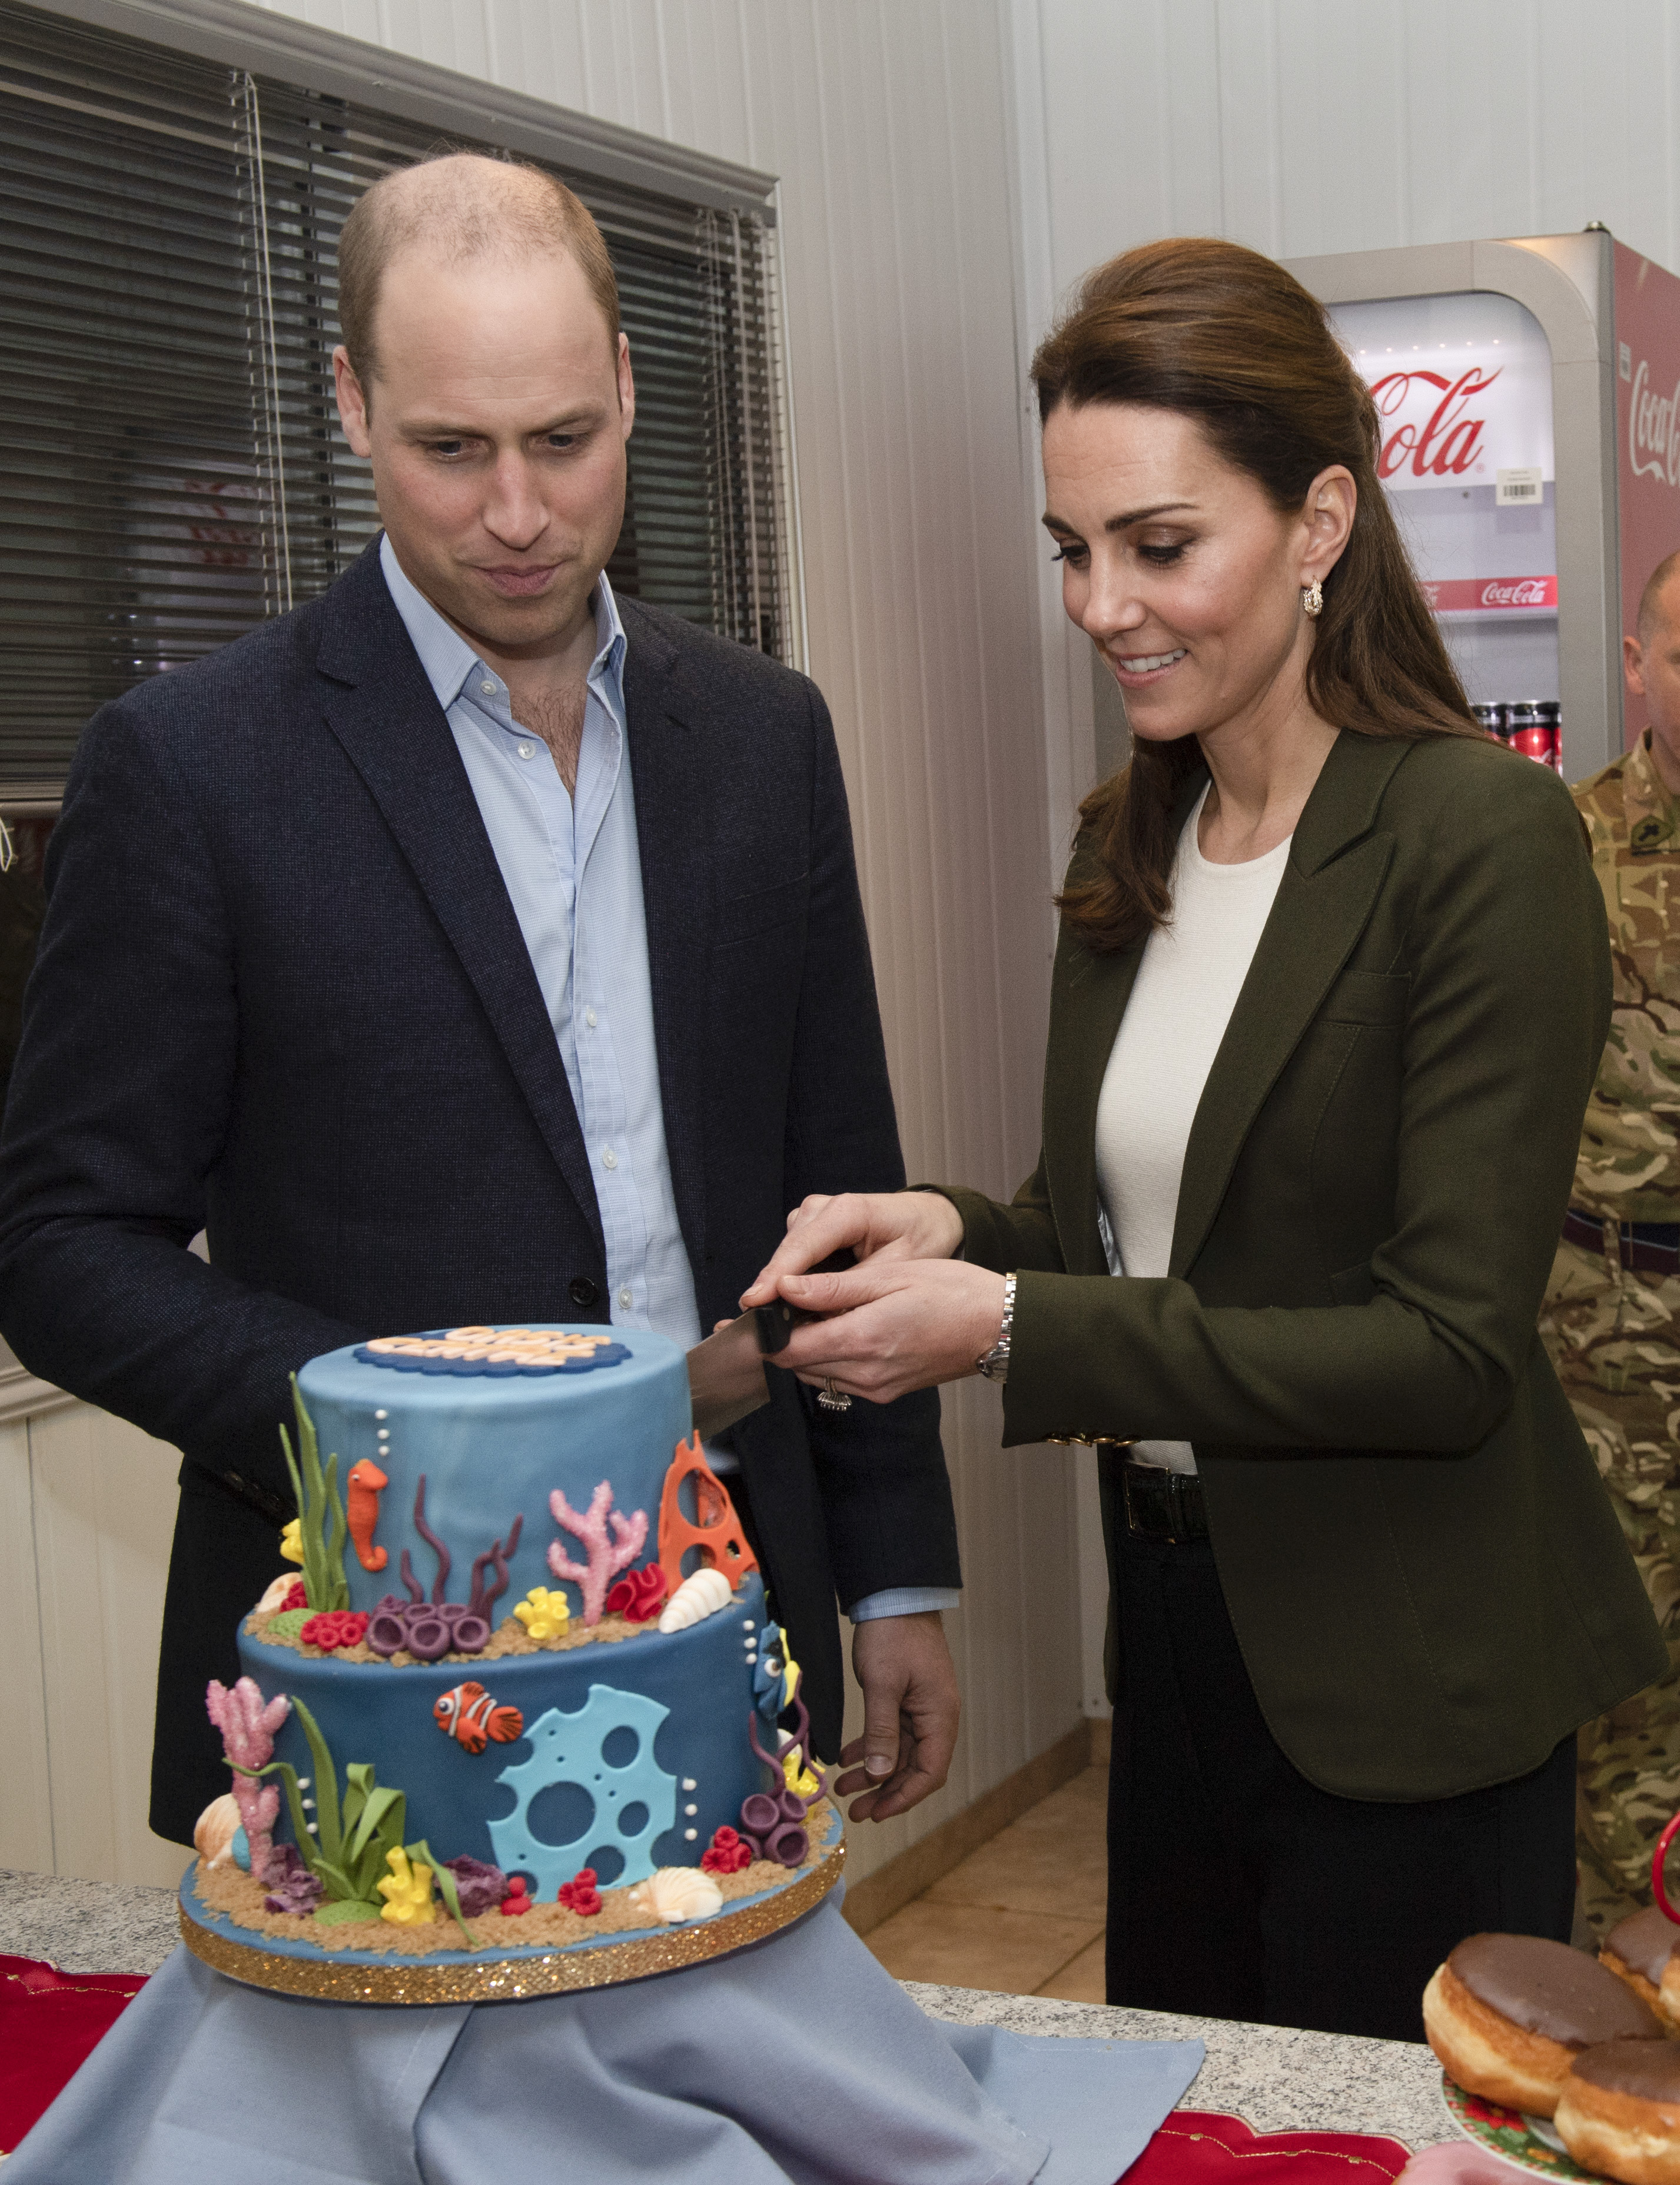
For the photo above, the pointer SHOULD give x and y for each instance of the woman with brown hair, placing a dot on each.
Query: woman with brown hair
(1330, 990)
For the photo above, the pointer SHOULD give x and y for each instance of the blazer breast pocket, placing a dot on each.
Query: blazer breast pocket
(743, 917)
(1368, 997)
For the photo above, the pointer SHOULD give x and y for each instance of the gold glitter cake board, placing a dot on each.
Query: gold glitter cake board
(508, 1980)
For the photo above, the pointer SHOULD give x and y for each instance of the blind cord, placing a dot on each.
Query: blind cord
(270, 352)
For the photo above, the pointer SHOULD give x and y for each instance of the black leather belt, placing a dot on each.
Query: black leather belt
(1161, 1505)
(1646, 1247)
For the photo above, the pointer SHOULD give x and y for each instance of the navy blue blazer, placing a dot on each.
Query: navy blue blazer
(282, 996)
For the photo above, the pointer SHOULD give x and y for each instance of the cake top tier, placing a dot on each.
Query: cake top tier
(494, 1422)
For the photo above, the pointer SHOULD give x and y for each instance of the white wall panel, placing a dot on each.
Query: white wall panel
(1309, 125)
(888, 125)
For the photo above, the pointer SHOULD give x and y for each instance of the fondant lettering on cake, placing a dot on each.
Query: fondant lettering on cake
(714, 1530)
(494, 1350)
(611, 1542)
(633, 1803)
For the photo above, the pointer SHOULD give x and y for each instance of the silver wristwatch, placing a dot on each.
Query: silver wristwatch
(996, 1363)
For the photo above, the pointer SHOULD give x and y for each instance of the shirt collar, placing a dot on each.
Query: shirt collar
(1645, 800)
(448, 659)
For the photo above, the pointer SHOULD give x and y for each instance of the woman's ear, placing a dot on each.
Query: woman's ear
(1328, 511)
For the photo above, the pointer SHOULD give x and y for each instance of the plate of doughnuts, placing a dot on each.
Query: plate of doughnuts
(1558, 2063)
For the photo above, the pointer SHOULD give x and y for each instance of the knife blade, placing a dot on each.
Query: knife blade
(726, 1372)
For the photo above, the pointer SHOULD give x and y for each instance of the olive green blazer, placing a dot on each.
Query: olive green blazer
(1428, 1579)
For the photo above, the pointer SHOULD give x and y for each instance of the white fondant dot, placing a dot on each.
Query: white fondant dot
(382, 1414)
(748, 1625)
(689, 1784)
(691, 1811)
(688, 1835)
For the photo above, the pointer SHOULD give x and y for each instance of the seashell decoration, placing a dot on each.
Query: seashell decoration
(677, 1893)
(214, 1831)
(694, 1600)
(275, 1598)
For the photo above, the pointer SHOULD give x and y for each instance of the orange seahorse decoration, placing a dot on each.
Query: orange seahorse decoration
(361, 1511)
(717, 1534)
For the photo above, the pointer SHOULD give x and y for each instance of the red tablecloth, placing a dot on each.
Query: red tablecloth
(50, 2021)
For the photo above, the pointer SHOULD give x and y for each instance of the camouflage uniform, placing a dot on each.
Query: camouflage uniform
(1614, 1333)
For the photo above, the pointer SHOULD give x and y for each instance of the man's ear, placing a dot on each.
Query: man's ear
(353, 406)
(1633, 665)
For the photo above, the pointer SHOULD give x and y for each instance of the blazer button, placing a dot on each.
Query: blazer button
(583, 1291)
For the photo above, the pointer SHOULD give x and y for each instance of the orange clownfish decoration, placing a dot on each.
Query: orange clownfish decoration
(361, 1512)
(470, 1716)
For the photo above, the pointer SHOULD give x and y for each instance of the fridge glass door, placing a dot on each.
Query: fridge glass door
(1463, 384)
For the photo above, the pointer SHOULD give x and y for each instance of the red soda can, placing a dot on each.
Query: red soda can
(1531, 733)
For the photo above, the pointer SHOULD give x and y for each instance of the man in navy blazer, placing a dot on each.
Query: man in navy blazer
(464, 945)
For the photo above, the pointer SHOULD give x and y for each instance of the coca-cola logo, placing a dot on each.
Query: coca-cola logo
(1524, 592)
(1447, 442)
(1654, 430)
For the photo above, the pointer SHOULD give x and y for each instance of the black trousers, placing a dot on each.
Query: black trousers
(1238, 1889)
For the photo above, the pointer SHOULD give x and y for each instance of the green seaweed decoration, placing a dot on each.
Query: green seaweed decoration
(317, 1494)
(347, 1850)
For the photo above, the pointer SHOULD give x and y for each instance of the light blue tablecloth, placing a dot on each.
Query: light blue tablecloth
(797, 2059)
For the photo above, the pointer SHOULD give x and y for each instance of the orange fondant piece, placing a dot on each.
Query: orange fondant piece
(361, 1511)
(717, 1533)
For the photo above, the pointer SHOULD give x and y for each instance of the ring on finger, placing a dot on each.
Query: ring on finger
(831, 1399)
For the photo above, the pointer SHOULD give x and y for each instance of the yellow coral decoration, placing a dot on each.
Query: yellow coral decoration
(799, 1780)
(544, 1615)
(790, 1674)
(407, 1891)
(292, 1541)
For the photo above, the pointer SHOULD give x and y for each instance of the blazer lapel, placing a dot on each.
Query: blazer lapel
(384, 712)
(674, 788)
(1337, 868)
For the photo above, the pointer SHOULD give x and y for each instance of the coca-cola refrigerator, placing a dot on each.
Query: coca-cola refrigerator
(1530, 397)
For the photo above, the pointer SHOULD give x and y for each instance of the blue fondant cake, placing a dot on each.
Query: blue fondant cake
(480, 1543)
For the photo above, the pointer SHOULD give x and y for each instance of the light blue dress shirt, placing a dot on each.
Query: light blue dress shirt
(572, 869)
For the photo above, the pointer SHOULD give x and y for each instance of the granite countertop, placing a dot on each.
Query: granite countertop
(1276, 2080)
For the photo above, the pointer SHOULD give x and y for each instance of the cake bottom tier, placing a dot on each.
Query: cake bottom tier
(629, 1754)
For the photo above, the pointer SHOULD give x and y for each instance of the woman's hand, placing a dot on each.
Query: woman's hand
(894, 1324)
(875, 1225)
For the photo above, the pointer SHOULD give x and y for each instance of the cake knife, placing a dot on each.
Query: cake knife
(726, 1372)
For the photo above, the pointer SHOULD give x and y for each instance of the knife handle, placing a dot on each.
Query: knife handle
(776, 1324)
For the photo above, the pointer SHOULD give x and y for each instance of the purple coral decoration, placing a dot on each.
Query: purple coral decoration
(483, 1600)
(291, 1887)
(608, 1554)
(437, 1546)
(428, 1632)
(248, 1723)
(480, 1887)
(774, 1822)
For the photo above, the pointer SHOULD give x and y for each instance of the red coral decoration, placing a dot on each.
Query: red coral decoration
(299, 1597)
(639, 1595)
(580, 1894)
(334, 1628)
(726, 1853)
(515, 1903)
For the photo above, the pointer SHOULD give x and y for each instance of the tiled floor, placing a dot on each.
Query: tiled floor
(1024, 1914)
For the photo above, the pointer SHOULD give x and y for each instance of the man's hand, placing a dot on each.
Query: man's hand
(911, 1707)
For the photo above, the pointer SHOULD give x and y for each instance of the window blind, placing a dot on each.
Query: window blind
(172, 469)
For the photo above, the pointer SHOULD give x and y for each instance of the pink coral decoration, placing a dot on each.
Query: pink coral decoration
(609, 1552)
(248, 1723)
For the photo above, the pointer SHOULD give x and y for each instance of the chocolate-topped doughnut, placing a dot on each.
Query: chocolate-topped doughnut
(1507, 2015)
(1639, 1951)
(1619, 2111)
